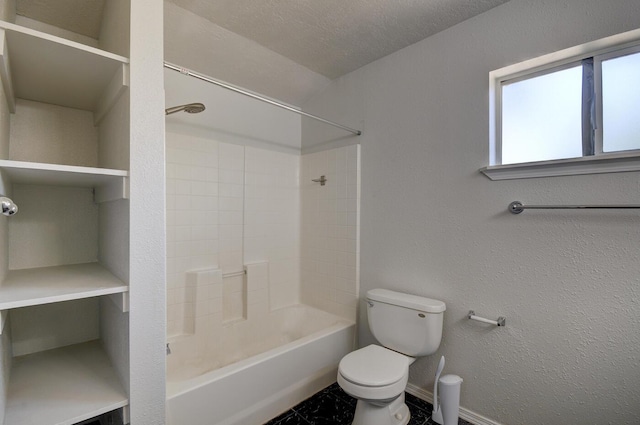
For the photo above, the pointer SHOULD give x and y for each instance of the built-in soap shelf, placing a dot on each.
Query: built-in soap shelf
(63, 386)
(44, 285)
(108, 184)
(44, 68)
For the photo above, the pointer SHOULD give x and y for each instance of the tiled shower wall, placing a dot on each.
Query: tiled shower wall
(330, 230)
(227, 206)
(272, 221)
(192, 222)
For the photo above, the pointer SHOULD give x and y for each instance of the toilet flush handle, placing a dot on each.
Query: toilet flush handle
(370, 303)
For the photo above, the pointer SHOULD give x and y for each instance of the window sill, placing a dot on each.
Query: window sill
(611, 163)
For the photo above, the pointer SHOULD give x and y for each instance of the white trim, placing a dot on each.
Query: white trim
(616, 45)
(572, 54)
(465, 414)
(598, 60)
(605, 163)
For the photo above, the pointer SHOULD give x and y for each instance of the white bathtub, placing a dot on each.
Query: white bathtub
(254, 370)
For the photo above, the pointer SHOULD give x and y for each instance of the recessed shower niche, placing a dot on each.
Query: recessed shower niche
(64, 256)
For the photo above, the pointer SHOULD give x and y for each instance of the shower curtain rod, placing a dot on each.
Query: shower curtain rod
(254, 96)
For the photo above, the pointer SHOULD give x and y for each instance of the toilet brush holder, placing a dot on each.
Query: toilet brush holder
(449, 407)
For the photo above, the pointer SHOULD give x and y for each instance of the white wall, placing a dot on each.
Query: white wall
(147, 238)
(230, 117)
(432, 225)
(56, 226)
(49, 326)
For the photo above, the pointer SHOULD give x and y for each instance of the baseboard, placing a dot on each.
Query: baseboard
(465, 414)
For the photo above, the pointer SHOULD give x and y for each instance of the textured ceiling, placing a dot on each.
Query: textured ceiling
(198, 44)
(286, 49)
(79, 16)
(334, 37)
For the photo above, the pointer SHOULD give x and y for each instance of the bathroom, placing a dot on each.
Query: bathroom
(412, 213)
(431, 224)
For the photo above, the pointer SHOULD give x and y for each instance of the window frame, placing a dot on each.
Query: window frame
(601, 162)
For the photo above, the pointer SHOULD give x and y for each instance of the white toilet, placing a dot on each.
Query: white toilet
(408, 326)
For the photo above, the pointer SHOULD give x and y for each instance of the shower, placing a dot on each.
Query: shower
(191, 108)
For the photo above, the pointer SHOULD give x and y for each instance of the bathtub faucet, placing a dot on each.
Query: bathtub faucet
(168, 349)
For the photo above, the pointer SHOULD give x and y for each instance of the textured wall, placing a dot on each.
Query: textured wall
(147, 267)
(54, 226)
(432, 225)
(54, 30)
(53, 134)
(114, 29)
(49, 326)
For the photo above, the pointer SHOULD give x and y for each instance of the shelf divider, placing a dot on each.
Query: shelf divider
(5, 72)
(3, 319)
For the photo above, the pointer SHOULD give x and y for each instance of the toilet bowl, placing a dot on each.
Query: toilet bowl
(377, 377)
(407, 326)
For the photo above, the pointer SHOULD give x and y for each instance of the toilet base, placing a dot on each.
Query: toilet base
(376, 413)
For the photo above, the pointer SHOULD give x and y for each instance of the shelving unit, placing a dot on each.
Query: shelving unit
(45, 306)
(63, 386)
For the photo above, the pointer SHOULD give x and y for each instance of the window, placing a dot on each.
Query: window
(541, 117)
(621, 103)
(571, 112)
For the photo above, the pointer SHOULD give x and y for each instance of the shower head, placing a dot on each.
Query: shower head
(191, 108)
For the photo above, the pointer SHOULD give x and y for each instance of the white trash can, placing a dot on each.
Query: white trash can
(450, 398)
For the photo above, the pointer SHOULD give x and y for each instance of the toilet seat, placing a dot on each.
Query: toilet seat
(374, 373)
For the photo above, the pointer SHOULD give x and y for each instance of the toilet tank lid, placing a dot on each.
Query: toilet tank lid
(414, 302)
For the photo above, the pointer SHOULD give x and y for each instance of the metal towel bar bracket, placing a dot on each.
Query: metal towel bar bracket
(500, 322)
(516, 207)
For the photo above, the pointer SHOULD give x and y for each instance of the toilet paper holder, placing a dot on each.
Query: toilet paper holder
(501, 321)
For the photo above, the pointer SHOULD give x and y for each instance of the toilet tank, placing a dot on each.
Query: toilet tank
(409, 324)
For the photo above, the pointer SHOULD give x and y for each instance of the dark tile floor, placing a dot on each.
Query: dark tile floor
(332, 406)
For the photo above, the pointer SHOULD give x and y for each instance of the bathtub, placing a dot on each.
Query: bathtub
(251, 371)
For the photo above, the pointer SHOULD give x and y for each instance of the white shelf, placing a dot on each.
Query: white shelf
(62, 386)
(45, 285)
(59, 175)
(49, 69)
(109, 184)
